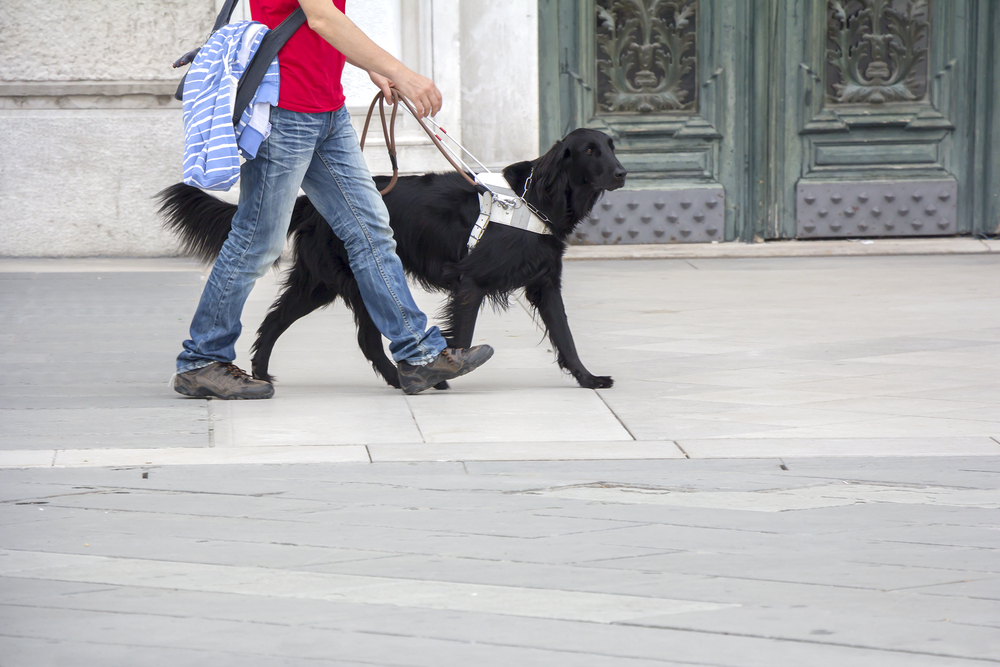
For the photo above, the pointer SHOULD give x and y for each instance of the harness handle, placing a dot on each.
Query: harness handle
(390, 135)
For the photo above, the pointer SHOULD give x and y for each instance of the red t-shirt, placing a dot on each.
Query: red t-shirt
(310, 67)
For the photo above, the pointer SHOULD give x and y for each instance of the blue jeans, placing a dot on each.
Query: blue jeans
(318, 152)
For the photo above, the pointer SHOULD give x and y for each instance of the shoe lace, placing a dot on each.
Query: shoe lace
(237, 372)
(447, 352)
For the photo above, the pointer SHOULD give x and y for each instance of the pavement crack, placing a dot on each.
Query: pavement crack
(797, 640)
(620, 421)
(416, 424)
(25, 501)
(212, 652)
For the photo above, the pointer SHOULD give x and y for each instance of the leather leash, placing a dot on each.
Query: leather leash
(389, 132)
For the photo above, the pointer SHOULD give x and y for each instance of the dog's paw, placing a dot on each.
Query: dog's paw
(442, 385)
(263, 375)
(597, 382)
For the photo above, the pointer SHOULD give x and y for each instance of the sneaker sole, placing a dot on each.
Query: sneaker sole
(445, 376)
(204, 392)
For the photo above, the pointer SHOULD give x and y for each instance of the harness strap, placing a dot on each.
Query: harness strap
(481, 222)
(497, 201)
(500, 205)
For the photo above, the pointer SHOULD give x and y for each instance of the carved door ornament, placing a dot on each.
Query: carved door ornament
(877, 51)
(647, 56)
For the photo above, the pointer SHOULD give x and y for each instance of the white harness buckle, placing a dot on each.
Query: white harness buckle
(501, 205)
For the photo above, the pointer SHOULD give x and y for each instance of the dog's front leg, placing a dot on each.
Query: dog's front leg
(547, 300)
(461, 313)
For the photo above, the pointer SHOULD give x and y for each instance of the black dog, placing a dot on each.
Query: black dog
(431, 218)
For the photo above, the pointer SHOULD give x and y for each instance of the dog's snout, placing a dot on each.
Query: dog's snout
(620, 173)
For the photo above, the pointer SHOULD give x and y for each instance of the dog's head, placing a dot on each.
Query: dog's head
(567, 181)
(589, 156)
(583, 160)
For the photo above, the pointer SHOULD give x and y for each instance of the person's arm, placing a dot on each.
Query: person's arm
(332, 25)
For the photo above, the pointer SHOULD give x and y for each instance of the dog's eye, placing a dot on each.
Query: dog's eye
(590, 151)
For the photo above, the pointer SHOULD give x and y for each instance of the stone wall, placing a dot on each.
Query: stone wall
(90, 131)
(500, 79)
(99, 40)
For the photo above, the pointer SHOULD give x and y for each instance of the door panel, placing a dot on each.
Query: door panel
(873, 133)
(648, 73)
(803, 118)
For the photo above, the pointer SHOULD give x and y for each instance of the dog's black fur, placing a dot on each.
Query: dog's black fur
(431, 218)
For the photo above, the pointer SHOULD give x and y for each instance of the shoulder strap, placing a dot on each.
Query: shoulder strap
(222, 19)
(225, 14)
(257, 67)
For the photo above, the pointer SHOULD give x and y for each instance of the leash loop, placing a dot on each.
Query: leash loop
(389, 132)
(497, 202)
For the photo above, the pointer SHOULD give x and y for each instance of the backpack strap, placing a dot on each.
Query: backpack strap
(222, 19)
(225, 14)
(257, 67)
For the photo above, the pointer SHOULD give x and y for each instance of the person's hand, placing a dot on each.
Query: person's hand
(421, 91)
(340, 32)
(384, 84)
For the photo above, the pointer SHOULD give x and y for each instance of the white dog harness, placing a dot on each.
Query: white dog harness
(498, 204)
(501, 205)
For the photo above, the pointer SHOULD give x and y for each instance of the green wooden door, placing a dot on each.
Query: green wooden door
(767, 119)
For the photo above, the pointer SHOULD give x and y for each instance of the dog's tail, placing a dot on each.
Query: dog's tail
(200, 220)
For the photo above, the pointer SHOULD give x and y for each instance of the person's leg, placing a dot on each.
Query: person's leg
(269, 185)
(339, 184)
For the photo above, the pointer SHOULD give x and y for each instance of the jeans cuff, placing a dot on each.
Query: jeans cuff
(195, 365)
(430, 353)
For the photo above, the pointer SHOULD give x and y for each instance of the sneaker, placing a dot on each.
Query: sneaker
(451, 363)
(219, 380)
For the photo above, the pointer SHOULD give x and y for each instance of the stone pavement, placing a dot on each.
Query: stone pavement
(799, 464)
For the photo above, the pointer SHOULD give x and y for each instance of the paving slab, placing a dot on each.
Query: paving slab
(799, 463)
(512, 450)
(442, 557)
(795, 445)
(691, 367)
(791, 248)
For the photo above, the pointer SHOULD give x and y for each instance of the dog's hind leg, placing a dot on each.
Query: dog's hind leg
(297, 300)
(369, 337)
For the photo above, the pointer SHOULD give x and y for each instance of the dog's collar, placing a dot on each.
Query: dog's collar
(501, 205)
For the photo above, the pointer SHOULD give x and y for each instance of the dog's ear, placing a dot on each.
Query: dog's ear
(516, 174)
(551, 171)
(556, 158)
